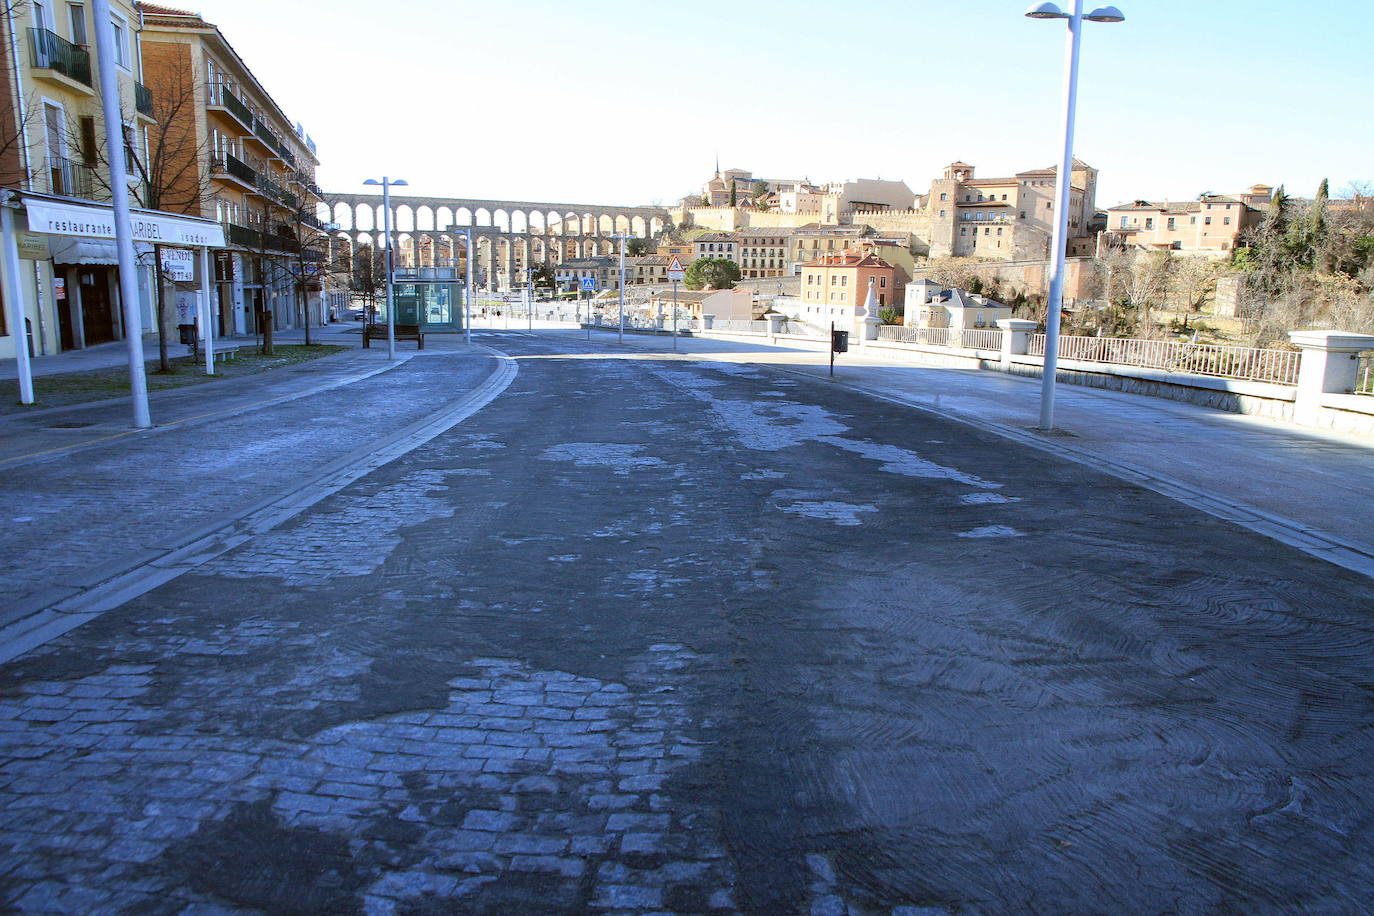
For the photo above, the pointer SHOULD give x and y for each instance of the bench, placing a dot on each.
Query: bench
(403, 332)
(229, 352)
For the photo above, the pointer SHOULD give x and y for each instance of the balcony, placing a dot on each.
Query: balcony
(59, 60)
(242, 236)
(143, 99)
(69, 179)
(227, 168)
(224, 102)
(275, 191)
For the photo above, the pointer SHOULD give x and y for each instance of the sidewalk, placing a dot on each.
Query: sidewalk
(1307, 487)
(104, 356)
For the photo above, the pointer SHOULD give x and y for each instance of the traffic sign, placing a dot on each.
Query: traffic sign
(589, 283)
(675, 269)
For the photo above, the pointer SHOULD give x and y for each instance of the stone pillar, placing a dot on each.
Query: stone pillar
(1016, 334)
(1329, 363)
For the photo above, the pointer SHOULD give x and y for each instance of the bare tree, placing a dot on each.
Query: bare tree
(18, 118)
(165, 166)
(298, 231)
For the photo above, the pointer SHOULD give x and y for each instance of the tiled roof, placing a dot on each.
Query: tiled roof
(849, 259)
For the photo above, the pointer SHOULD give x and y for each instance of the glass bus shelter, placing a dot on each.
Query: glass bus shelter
(431, 297)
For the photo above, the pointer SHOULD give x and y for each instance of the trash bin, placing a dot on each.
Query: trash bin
(188, 334)
(839, 341)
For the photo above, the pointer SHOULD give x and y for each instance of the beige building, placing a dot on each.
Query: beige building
(259, 168)
(763, 252)
(1212, 223)
(1009, 218)
(716, 245)
(52, 141)
(841, 280)
(929, 305)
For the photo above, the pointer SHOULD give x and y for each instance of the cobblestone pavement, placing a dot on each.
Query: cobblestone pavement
(138, 493)
(650, 635)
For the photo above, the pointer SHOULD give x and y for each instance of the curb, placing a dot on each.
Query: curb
(53, 612)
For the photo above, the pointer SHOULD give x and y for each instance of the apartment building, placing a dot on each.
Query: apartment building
(716, 245)
(52, 145)
(813, 240)
(840, 281)
(254, 172)
(604, 273)
(763, 252)
(1212, 223)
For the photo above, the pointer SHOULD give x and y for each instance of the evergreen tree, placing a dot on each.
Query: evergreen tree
(733, 195)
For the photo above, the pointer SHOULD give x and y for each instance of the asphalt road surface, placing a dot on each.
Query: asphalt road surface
(649, 634)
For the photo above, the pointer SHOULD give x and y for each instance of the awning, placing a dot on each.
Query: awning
(59, 217)
(76, 250)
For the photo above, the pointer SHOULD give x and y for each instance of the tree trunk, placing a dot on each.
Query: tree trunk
(305, 310)
(265, 322)
(164, 362)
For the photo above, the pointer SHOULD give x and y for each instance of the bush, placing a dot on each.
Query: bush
(889, 315)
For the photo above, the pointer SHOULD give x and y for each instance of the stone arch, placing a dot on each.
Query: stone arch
(364, 218)
(463, 217)
(404, 218)
(405, 249)
(622, 225)
(443, 217)
(605, 224)
(342, 214)
(535, 220)
(519, 221)
(424, 218)
(656, 226)
(553, 224)
(637, 228)
(501, 220)
(482, 217)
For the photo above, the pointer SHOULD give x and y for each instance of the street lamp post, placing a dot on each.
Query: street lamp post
(1059, 239)
(467, 289)
(621, 285)
(387, 184)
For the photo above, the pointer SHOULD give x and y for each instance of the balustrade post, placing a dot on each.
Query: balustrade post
(1016, 334)
(1330, 360)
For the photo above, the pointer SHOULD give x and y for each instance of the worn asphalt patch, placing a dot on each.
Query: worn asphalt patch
(520, 674)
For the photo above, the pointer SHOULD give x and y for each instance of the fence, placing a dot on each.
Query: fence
(1277, 366)
(1364, 374)
(942, 337)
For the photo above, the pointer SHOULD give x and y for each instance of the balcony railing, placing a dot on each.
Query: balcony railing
(68, 178)
(242, 171)
(53, 52)
(264, 134)
(143, 99)
(242, 236)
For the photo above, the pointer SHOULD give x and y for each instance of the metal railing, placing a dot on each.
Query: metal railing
(968, 338)
(240, 170)
(1277, 366)
(68, 178)
(242, 236)
(1364, 374)
(143, 99)
(53, 52)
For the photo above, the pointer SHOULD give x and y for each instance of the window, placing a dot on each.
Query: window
(1023, 216)
(76, 13)
(1207, 221)
(944, 196)
(999, 231)
(844, 280)
(942, 213)
(1226, 220)
(1149, 222)
(882, 282)
(1004, 197)
(987, 232)
(1192, 220)
(1170, 223)
(121, 42)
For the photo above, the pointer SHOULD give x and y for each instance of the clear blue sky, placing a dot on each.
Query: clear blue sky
(611, 101)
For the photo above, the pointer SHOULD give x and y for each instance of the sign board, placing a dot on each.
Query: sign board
(53, 218)
(589, 283)
(179, 264)
(33, 246)
(59, 287)
(675, 269)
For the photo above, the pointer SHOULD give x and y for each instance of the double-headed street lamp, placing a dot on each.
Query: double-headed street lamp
(387, 184)
(1061, 188)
